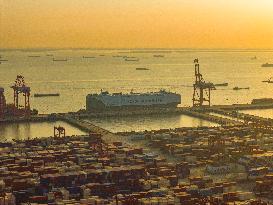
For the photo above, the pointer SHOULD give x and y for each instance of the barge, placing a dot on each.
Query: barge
(46, 94)
(267, 65)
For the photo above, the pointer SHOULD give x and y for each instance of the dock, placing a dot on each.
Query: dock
(230, 111)
(89, 127)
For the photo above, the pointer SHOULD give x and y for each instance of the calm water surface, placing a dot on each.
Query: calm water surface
(141, 123)
(33, 130)
(267, 113)
(78, 76)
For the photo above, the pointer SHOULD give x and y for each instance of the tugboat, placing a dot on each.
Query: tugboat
(221, 84)
(267, 65)
(268, 81)
(54, 59)
(237, 88)
(142, 69)
(46, 94)
(159, 56)
(88, 57)
(131, 59)
(34, 56)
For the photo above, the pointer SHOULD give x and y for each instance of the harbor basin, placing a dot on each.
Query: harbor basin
(266, 113)
(151, 122)
(34, 129)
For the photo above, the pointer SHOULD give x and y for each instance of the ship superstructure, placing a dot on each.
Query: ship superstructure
(107, 101)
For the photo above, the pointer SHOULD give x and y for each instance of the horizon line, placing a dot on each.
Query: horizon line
(132, 48)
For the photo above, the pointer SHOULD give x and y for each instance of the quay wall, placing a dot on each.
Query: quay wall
(76, 119)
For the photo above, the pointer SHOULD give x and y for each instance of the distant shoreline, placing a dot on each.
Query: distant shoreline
(144, 49)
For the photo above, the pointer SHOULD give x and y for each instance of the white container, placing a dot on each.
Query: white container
(86, 193)
(51, 196)
(2, 184)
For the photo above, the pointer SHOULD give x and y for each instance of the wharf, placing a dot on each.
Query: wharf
(244, 106)
(247, 118)
(89, 127)
(77, 119)
(211, 118)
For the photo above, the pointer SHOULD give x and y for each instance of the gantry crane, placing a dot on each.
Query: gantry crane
(2, 103)
(202, 90)
(18, 88)
(59, 131)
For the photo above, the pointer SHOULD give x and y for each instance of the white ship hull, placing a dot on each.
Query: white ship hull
(106, 101)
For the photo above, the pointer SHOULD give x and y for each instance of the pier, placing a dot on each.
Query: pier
(231, 111)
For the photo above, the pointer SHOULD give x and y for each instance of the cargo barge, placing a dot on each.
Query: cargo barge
(221, 84)
(119, 101)
(142, 69)
(46, 94)
(267, 65)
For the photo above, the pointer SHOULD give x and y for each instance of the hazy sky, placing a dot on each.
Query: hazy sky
(137, 23)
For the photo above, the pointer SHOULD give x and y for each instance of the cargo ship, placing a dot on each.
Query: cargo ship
(142, 69)
(267, 65)
(237, 88)
(131, 59)
(119, 101)
(262, 101)
(221, 84)
(34, 56)
(88, 57)
(46, 94)
(268, 81)
(54, 59)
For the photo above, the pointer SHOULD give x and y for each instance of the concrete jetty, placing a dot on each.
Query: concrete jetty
(77, 118)
(243, 116)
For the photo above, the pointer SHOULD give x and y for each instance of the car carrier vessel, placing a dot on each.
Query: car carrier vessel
(105, 101)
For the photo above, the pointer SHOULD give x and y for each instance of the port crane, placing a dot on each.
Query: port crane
(59, 131)
(2, 103)
(20, 87)
(202, 90)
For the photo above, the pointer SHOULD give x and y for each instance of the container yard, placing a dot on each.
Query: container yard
(237, 156)
(88, 170)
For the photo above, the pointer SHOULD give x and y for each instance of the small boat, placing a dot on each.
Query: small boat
(158, 56)
(237, 88)
(54, 59)
(118, 56)
(268, 81)
(3, 60)
(46, 94)
(88, 57)
(267, 65)
(221, 84)
(49, 54)
(142, 69)
(131, 59)
(34, 56)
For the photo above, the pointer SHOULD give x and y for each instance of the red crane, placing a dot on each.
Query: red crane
(2, 103)
(201, 92)
(20, 87)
